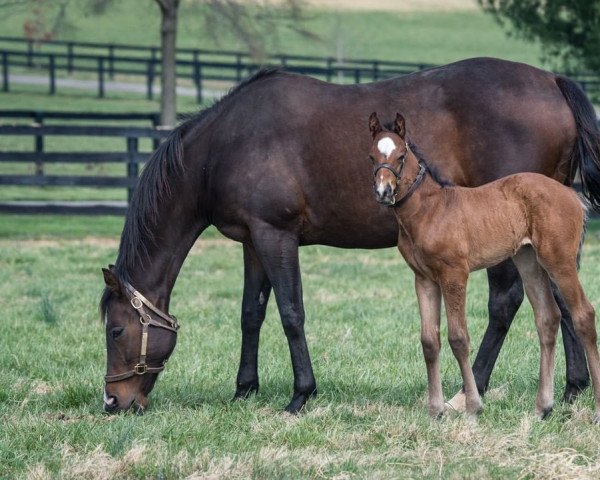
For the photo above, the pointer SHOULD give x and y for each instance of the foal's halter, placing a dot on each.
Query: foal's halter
(398, 174)
(144, 307)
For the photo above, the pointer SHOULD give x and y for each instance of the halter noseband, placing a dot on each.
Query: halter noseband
(141, 304)
(398, 174)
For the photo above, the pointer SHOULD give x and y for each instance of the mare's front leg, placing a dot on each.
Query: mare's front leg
(429, 297)
(257, 289)
(454, 288)
(277, 251)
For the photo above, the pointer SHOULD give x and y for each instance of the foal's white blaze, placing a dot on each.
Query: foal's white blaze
(386, 146)
(380, 186)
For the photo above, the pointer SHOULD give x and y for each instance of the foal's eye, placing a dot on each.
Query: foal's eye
(116, 332)
(371, 158)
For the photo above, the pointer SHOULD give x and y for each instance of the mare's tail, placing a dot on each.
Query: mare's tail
(586, 151)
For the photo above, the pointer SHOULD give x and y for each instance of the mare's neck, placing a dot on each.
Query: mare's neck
(158, 252)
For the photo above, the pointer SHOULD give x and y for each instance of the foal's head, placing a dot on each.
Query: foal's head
(388, 153)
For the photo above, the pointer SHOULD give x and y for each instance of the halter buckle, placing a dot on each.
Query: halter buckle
(136, 303)
(140, 369)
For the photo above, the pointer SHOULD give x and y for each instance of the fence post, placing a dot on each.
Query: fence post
(70, 58)
(132, 166)
(111, 61)
(198, 81)
(5, 71)
(356, 75)
(149, 78)
(39, 145)
(155, 123)
(52, 73)
(238, 67)
(329, 69)
(30, 53)
(100, 77)
(375, 70)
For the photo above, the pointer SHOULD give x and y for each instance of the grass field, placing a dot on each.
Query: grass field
(369, 420)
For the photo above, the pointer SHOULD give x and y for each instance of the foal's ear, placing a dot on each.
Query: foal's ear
(111, 280)
(399, 125)
(374, 125)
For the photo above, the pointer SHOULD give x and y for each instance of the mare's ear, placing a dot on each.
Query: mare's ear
(374, 125)
(399, 126)
(111, 280)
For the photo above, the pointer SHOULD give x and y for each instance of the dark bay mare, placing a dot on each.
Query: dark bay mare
(280, 162)
(448, 231)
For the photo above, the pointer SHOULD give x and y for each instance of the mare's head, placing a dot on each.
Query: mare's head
(139, 340)
(388, 154)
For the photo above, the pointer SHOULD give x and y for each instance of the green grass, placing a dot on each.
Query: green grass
(363, 332)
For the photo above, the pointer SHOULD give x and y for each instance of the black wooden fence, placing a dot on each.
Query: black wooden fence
(129, 156)
(194, 65)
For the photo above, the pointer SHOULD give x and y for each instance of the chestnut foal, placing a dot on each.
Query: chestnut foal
(448, 231)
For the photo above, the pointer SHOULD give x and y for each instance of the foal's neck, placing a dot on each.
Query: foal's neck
(415, 195)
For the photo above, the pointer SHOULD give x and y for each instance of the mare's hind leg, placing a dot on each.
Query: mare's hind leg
(277, 251)
(257, 289)
(453, 285)
(429, 297)
(547, 319)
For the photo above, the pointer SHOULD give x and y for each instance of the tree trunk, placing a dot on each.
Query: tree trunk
(168, 97)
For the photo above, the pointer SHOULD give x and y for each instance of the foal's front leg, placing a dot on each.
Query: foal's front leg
(454, 288)
(429, 297)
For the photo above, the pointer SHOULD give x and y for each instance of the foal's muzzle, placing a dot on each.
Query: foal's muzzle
(384, 194)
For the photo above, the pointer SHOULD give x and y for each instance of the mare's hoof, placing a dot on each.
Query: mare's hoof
(242, 392)
(458, 403)
(596, 418)
(572, 391)
(298, 402)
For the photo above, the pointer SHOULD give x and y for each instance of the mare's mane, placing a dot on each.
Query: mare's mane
(155, 185)
(433, 171)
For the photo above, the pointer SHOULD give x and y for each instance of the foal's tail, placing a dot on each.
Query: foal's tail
(586, 151)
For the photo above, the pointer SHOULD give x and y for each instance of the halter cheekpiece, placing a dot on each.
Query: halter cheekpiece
(398, 174)
(146, 309)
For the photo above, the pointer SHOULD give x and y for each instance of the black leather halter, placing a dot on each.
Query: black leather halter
(146, 309)
(398, 174)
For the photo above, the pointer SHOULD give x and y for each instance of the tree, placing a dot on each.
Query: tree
(568, 30)
(168, 81)
(249, 20)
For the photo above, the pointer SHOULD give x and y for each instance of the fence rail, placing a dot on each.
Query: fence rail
(130, 157)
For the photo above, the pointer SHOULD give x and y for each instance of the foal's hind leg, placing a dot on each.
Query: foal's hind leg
(547, 319)
(566, 279)
(257, 289)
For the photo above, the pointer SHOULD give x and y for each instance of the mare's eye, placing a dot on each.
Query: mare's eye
(116, 332)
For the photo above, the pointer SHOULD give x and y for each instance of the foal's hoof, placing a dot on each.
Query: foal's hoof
(544, 413)
(458, 403)
(242, 392)
(298, 402)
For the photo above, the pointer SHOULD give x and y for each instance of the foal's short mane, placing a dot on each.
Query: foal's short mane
(433, 171)
(156, 182)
